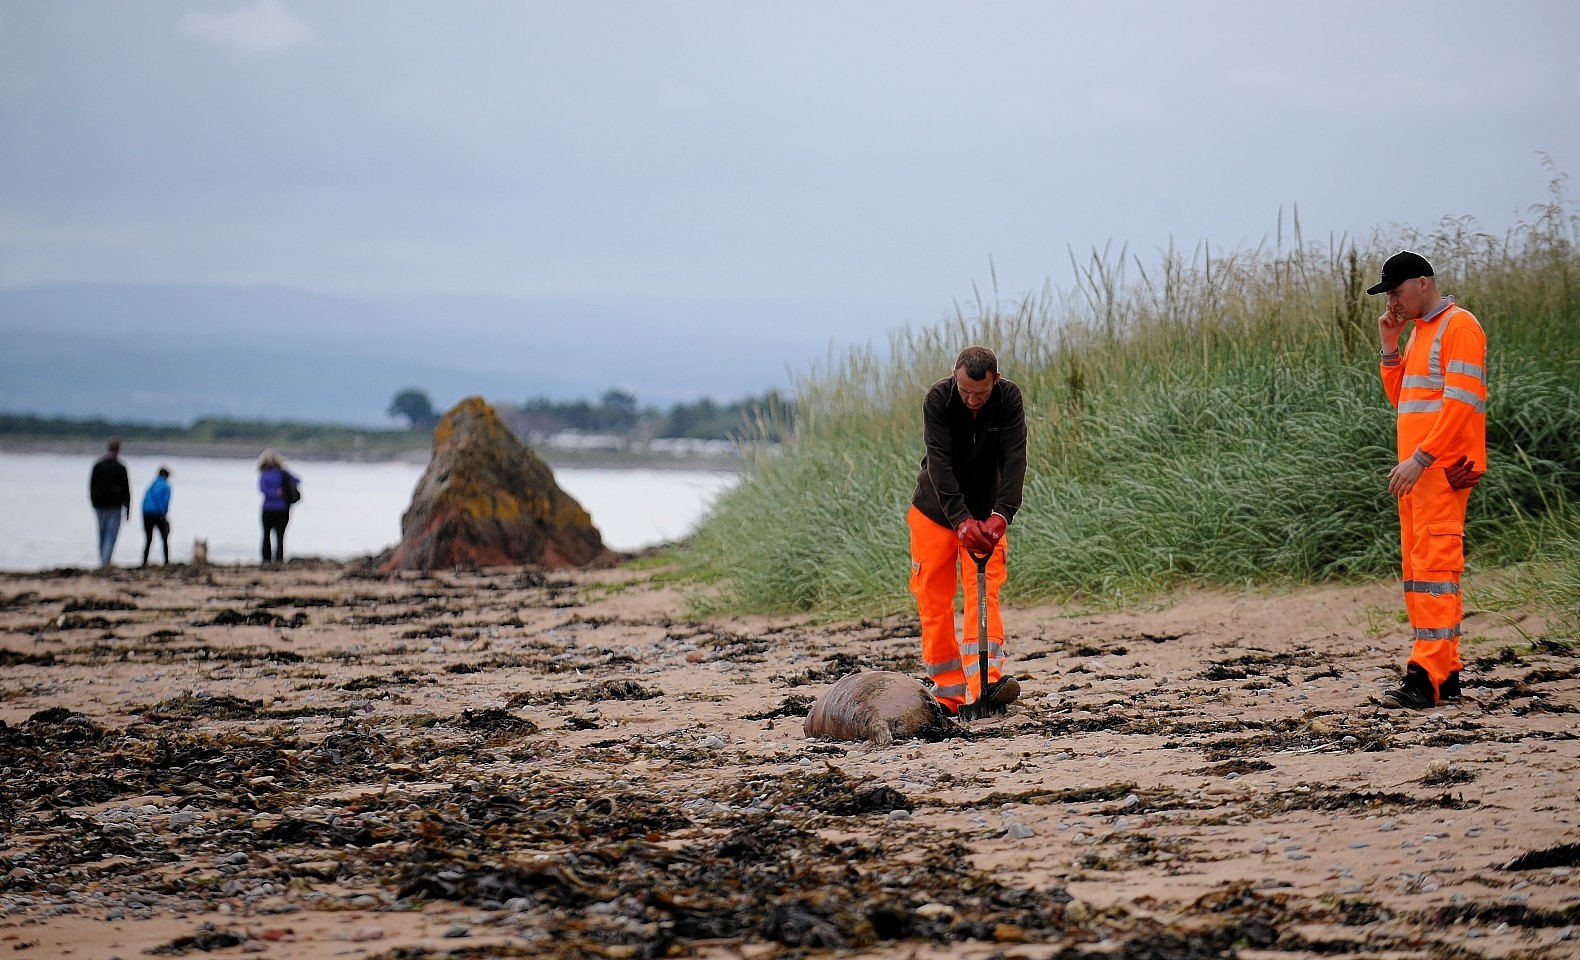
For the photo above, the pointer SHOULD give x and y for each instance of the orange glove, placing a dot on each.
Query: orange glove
(972, 537)
(993, 528)
(1462, 474)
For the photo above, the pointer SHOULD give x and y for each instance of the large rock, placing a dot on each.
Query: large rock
(487, 500)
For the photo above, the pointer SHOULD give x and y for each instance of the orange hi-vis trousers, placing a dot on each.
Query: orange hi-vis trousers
(938, 565)
(1432, 535)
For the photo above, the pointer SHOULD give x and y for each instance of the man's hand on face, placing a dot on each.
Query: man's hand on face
(1389, 326)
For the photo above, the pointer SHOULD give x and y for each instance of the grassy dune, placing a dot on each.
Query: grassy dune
(1207, 418)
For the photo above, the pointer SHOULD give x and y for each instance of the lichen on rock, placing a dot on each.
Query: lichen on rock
(487, 500)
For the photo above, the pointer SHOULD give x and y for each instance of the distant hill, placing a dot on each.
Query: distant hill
(173, 354)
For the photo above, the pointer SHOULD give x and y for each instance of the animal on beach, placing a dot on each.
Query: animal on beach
(199, 551)
(878, 706)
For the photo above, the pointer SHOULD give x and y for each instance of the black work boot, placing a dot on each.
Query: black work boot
(1415, 693)
(1450, 688)
(1006, 690)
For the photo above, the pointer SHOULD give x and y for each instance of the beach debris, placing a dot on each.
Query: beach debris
(877, 706)
(487, 500)
(1563, 855)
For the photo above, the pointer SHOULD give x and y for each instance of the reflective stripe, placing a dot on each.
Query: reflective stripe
(953, 690)
(1436, 588)
(995, 648)
(1468, 369)
(939, 669)
(1464, 396)
(1434, 359)
(1423, 383)
(974, 667)
(1420, 406)
(1435, 633)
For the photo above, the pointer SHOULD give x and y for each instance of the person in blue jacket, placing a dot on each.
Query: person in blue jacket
(278, 486)
(156, 509)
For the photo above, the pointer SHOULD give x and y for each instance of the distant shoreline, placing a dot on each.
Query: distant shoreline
(556, 459)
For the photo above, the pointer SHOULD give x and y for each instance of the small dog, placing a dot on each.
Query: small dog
(199, 552)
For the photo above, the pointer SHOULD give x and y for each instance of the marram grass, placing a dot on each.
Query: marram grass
(1217, 420)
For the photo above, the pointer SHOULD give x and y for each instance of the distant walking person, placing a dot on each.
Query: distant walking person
(110, 491)
(1438, 383)
(156, 508)
(279, 488)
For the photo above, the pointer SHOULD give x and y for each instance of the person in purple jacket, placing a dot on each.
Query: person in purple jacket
(279, 488)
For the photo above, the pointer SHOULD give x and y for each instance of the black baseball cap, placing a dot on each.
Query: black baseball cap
(1398, 268)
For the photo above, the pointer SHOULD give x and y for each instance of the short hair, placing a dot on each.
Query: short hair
(164, 471)
(978, 362)
(114, 446)
(268, 460)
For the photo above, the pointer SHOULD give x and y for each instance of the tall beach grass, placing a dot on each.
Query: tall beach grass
(1208, 417)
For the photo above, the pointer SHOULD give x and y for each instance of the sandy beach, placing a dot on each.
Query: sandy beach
(309, 762)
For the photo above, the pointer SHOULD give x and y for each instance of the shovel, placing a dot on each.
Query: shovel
(984, 705)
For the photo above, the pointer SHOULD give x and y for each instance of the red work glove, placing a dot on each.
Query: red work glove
(972, 537)
(993, 528)
(1462, 474)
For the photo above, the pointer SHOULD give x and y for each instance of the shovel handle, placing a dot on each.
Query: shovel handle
(982, 619)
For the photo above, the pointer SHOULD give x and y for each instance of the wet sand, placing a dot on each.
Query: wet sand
(310, 763)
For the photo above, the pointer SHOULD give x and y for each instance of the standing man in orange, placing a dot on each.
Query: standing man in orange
(1439, 386)
(966, 496)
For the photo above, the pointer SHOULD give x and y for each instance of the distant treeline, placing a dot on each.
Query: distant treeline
(762, 418)
(295, 434)
(767, 417)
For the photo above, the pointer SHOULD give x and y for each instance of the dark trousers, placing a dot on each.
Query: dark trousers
(274, 522)
(152, 522)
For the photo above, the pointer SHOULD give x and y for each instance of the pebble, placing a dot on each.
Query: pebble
(1017, 831)
(906, 814)
(1387, 826)
(456, 931)
(937, 911)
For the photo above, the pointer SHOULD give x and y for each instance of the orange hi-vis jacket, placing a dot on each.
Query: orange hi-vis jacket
(1440, 388)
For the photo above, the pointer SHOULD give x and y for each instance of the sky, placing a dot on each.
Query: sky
(761, 183)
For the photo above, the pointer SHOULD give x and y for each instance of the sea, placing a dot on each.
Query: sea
(348, 509)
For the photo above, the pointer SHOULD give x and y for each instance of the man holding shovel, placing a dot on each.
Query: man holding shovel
(966, 496)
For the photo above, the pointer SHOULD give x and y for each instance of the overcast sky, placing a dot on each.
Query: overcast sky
(872, 155)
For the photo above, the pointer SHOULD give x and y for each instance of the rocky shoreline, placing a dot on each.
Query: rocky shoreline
(315, 762)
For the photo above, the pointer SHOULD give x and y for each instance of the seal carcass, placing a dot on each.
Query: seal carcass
(877, 706)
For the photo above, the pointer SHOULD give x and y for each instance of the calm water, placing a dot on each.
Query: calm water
(347, 510)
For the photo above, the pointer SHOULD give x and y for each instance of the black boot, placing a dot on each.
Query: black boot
(1415, 693)
(1450, 688)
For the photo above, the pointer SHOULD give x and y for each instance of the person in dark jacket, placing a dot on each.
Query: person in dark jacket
(110, 492)
(156, 507)
(278, 486)
(967, 493)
